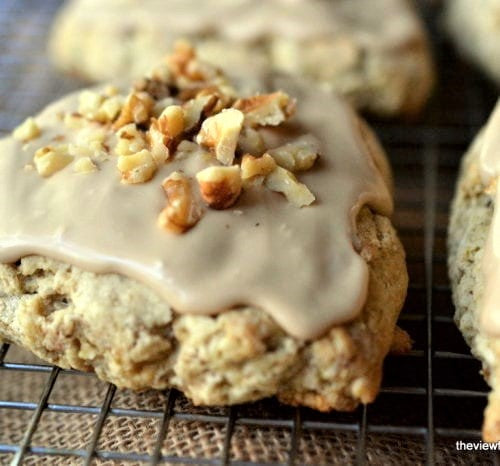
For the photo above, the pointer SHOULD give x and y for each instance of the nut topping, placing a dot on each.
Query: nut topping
(266, 109)
(181, 212)
(184, 111)
(220, 132)
(49, 160)
(256, 166)
(137, 109)
(85, 165)
(136, 168)
(298, 155)
(26, 131)
(220, 187)
(283, 181)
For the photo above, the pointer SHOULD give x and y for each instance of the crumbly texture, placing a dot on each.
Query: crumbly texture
(392, 79)
(471, 216)
(476, 32)
(124, 332)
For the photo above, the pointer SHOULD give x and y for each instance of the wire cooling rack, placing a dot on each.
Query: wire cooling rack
(430, 398)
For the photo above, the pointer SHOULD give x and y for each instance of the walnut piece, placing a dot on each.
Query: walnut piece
(266, 109)
(26, 131)
(284, 181)
(136, 168)
(164, 130)
(251, 142)
(89, 103)
(49, 160)
(183, 53)
(181, 212)
(85, 165)
(194, 109)
(171, 121)
(130, 140)
(101, 108)
(158, 143)
(221, 132)
(220, 187)
(298, 155)
(138, 108)
(256, 166)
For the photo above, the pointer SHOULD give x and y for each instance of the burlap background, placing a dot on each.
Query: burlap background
(27, 82)
(186, 439)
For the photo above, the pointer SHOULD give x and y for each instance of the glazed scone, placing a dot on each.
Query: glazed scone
(182, 235)
(475, 30)
(375, 52)
(470, 258)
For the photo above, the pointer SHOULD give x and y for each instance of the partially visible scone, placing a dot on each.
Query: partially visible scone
(471, 218)
(183, 235)
(475, 29)
(375, 52)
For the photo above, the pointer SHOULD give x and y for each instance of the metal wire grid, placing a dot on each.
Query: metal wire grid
(434, 394)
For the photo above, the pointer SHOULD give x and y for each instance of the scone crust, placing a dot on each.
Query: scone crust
(120, 329)
(471, 216)
(386, 81)
(476, 32)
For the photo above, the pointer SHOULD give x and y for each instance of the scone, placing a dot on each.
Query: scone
(183, 235)
(375, 52)
(474, 262)
(475, 29)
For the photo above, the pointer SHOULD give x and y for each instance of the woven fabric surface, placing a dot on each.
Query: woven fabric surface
(184, 439)
(27, 82)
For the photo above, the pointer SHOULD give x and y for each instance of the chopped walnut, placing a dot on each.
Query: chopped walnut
(221, 132)
(266, 109)
(85, 165)
(90, 142)
(111, 90)
(164, 130)
(224, 97)
(179, 60)
(283, 181)
(251, 142)
(171, 121)
(137, 168)
(156, 88)
(194, 109)
(161, 105)
(158, 143)
(27, 130)
(130, 140)
(89, 104)
(182, 211)
(298, 155)
(220, 187)
(49, 160)
(137, 108)
(183, 110)
(110, 108)
(161, 72)
(97, 107)
(256, 166)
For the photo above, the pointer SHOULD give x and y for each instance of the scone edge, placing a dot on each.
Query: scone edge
(62, 314)
(471, 215)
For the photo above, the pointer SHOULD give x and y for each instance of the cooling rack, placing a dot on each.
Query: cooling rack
(430, 398)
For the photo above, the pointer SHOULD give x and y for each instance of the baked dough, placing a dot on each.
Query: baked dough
(475, 30)
(123, 331)
(375, 52)
(127, 333)
(471, 215)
